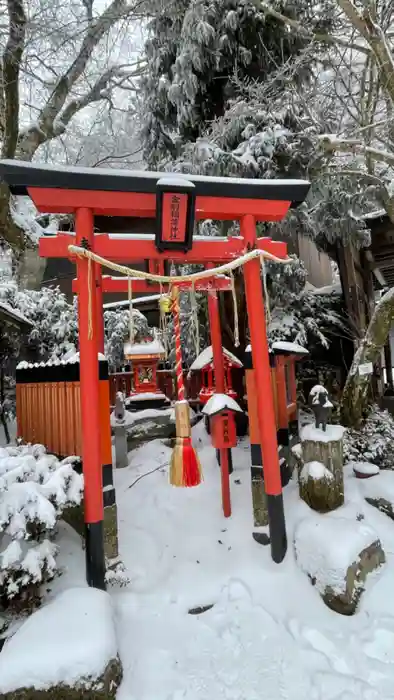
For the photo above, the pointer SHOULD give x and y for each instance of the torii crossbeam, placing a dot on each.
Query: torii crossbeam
(175, 202)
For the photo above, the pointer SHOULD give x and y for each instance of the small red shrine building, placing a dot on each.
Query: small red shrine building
(204, 364)
(144, 358)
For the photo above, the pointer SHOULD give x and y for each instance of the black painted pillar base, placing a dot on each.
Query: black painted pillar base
(230, 460)
(95, 559)
(277, 527)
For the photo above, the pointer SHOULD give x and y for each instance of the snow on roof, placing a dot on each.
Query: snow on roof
(45, 651)
(206, 357)
(220, 402)
(293, 348)
(71, 360)
(153, 348)
(14, 314)
(175, 181)
(334, 288)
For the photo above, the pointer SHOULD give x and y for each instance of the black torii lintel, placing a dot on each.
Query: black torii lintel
(20, 176)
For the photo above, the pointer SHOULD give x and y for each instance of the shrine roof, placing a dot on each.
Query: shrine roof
(205, 358)
(20, 176)
(141, 349)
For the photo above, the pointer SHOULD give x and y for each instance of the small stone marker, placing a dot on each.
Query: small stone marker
(120, 433)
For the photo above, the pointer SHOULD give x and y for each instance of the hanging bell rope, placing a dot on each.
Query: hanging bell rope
(194, 316)
(90, 309)
(185, 467)
(235, 305)
(266, 297)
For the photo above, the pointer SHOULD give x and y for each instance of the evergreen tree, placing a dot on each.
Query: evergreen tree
(194, 50)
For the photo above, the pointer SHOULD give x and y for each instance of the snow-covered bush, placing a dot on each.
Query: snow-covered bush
(35, 488)
(374, 442)
(56, 324)
(117, 328)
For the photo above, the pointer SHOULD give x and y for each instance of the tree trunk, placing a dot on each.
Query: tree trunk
(356, 392)
(9, 231)
(2, 411)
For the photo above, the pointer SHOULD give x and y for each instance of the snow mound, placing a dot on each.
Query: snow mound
(331, 434)
(69, 640)
(315, 470)
(380, 488)
(327, 546)
(220, 402)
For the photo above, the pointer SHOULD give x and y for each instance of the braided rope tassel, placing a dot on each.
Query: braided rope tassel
(185, 467)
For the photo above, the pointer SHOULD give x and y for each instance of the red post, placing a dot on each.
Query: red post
(90, 406)
(99, 306)
(217, 351)
(265, 399)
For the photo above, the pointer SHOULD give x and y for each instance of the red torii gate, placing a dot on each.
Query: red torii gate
(86, 192)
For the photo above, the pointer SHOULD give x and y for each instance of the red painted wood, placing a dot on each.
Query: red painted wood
(58, 201)
(218, 365)
(89, 378)
(224, 434)
(99, 306)
(134, 250)
(262, 371)
(140, 286)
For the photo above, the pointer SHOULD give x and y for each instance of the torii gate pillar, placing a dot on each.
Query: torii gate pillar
(90, 404)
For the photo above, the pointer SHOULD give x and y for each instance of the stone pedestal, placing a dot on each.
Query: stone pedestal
(321, 478)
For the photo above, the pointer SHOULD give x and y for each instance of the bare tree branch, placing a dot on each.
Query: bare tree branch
(43, 130)
(304, 31)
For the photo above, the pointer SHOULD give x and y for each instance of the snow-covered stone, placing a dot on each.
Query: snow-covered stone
(69, 643)
(338, 554)
(364, 470)
(150, 424)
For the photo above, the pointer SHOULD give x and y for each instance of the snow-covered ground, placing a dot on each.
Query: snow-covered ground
(268, 635)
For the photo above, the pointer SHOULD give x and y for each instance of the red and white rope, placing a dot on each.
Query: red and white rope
(178, 348)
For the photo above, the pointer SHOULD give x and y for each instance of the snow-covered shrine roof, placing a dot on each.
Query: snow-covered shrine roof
(20, 176)
(284, 347)
(205, 358)
(291, 348)
(220, 402)
(153, 348)
(13, 315)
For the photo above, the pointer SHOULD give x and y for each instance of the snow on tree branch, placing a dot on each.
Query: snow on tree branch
(35, 489)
